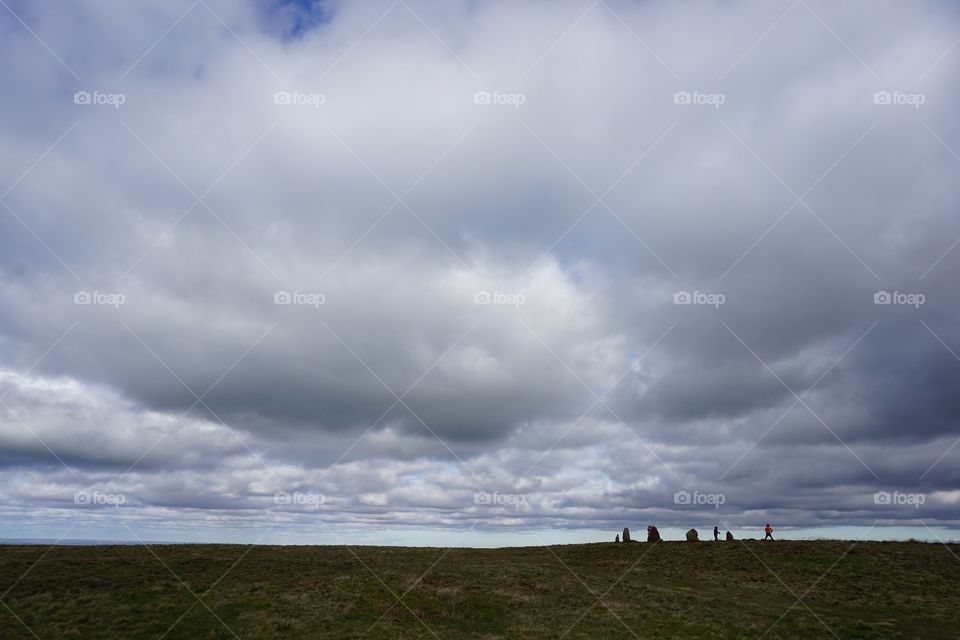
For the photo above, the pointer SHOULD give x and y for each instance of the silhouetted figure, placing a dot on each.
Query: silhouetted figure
(716, 534)
(729, 537)
(626, 534)
(653, 534)
(768, 530)
(617, 539)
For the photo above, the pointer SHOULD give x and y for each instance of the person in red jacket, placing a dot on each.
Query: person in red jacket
(769, 531)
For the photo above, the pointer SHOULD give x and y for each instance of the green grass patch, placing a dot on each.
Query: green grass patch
(705, 590)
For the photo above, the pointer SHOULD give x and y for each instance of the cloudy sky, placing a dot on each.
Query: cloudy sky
(478, 272)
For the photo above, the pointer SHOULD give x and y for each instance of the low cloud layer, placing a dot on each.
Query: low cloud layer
(499, 265)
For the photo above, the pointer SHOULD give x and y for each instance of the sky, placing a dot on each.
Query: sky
(478, 273)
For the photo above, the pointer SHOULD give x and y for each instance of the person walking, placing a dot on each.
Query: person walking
(768, 530)
(716, 534)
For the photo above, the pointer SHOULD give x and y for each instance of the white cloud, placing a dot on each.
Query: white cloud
(400, 200)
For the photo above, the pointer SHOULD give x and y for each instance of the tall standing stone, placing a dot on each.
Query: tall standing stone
(626, 534)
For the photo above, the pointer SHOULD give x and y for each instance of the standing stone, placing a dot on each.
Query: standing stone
(729, 537)
(692, 536)
(626, 534)
(653, 535)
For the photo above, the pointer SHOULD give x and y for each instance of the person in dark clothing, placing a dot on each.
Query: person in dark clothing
(716, 534)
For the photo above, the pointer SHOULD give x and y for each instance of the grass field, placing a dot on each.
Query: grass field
(670, 590)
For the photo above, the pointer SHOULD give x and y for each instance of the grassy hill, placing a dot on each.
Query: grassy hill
(673, 589)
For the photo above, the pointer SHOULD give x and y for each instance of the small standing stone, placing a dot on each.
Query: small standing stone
(729, 537)
(692, 536)
(653, 534)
